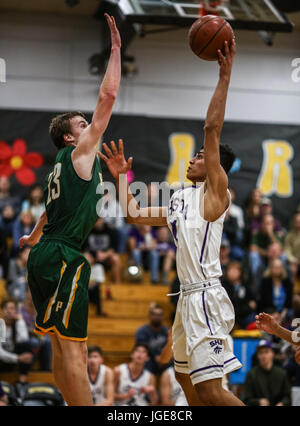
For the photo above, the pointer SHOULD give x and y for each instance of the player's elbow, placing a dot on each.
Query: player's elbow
(108, 96)
(211, 127)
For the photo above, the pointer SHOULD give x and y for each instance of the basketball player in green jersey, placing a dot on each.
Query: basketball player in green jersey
(58, 275)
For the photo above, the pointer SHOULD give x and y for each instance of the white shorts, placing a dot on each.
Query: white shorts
(202, 344)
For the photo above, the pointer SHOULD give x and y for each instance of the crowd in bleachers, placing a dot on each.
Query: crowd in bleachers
(259, 257)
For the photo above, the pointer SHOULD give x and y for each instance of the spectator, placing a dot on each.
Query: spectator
(224, 255)
(16, 350)
(265, 208)
(266, 384)
(292, 246)
(112, 213)
(253, 205)
(4, 259)
(5, 196)
(40, 345)
(103, 243)
(101, 378)
(97, 277)
(17, 283)
(166, 251)
(276, 290)
(171, 392)
(7, 220)
(155, 335)
(234, 235)
(236, 211)
(142, 245)
(34, 203)
(134, 384)
(22, 226)
(240, 295)
(260, 243)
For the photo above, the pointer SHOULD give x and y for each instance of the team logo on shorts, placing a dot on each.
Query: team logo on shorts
(216, 345)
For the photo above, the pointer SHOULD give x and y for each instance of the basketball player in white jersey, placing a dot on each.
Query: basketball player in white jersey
(171, 392)
(204, 315)
(101, 378)
(134, 385)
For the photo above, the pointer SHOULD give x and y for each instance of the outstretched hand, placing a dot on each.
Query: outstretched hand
(114, 32)
(226, 61)
(115, 159)
(266, 322)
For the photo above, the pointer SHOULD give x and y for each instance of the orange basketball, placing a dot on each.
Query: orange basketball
(208, 34)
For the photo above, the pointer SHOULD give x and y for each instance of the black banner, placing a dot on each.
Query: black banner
(267, 154)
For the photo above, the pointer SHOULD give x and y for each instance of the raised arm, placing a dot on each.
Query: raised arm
(267, 323)
(84, 154)
(118, 167)
(216, 180)
(36, 233)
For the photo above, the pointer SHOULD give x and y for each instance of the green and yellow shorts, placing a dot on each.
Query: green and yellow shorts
(58, 278)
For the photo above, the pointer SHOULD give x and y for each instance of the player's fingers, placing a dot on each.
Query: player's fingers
(107, 150)
(108, 18)
(102, 156)
(226, 47)
(129, 163)
(114, 22)
(114, 148)
(233, 46)
(221, 57)
(121, 147)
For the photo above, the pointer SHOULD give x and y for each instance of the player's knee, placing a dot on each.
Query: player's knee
(75, 351)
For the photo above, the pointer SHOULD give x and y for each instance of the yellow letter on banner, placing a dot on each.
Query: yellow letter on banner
(276, 176)
(181, 151)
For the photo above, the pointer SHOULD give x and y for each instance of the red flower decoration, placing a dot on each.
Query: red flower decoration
(16, 160)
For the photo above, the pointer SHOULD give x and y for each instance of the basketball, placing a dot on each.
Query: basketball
(208, 34)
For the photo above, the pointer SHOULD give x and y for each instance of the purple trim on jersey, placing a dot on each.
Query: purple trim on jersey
(206, 316)
(202, 249)
(204, 242)
(231, 359)
(206, 368)
(174, 229)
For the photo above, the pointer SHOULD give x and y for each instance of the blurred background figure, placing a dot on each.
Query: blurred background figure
(17, 282)
(134, 384)
(266, 385)
(97, 277)
(143, 249)
(15, 352)
(101, 378)
(34, 202)
(155, 335)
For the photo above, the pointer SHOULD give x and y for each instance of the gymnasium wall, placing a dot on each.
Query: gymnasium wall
(46, 60)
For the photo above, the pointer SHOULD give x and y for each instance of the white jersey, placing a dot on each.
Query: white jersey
(98, 386)
(198, 241)
(177, 394)
(126, 382)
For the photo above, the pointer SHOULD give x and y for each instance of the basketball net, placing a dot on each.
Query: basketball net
(209, 7)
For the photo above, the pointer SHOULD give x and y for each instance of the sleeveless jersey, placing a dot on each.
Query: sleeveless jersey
(198, 241)
(70, 201)
(126, 382)
(177, 394)
(98, 387)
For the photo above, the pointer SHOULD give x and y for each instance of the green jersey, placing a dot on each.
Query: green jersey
(71, 201)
